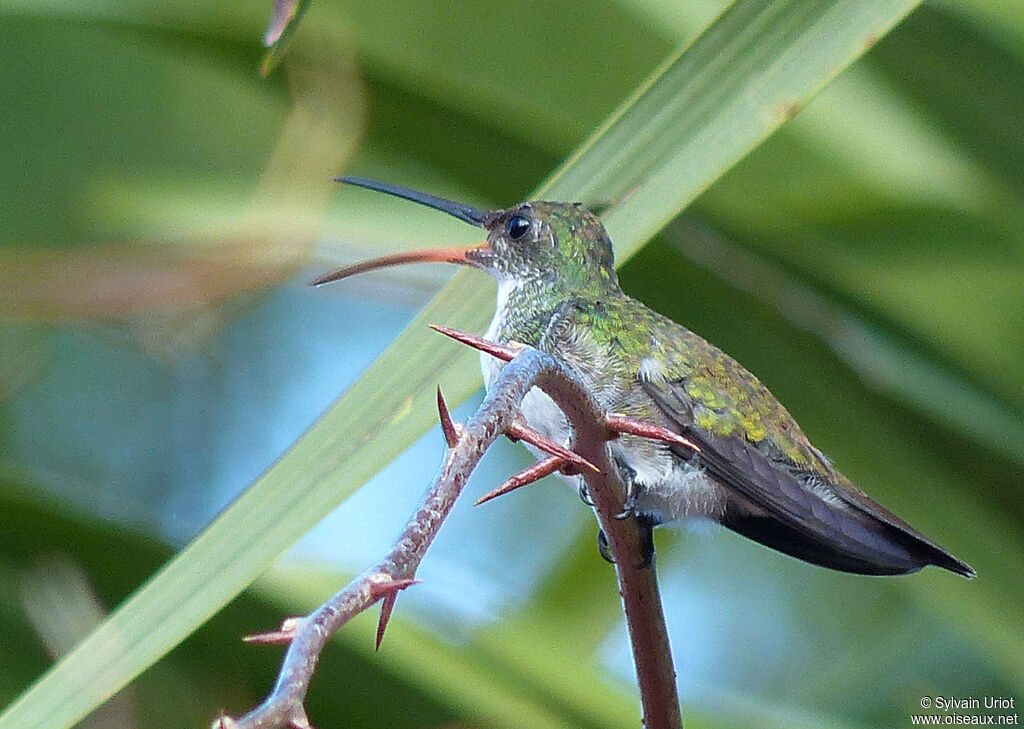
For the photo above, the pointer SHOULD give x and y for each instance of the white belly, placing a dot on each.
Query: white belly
(667, 488)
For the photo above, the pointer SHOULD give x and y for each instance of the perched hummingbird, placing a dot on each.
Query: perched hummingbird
(756, 472)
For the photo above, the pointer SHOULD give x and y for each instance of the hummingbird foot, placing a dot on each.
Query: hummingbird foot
(646, 525)
(603, 548)
(628, 475)
(628, 508)
(585, 494)
(646, 547)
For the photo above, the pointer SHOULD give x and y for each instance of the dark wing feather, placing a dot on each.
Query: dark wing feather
(821, 519)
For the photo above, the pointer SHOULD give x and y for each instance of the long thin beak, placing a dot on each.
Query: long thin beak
(466, 256)
(474, 216)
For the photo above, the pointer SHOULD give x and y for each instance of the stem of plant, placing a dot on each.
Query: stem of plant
(497, 415)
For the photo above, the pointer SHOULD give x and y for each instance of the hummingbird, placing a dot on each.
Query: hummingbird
(756, 473)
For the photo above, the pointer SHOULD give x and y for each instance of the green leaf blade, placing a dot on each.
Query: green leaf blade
(753, 69)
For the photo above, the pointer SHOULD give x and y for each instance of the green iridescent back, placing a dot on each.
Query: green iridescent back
(570, 304)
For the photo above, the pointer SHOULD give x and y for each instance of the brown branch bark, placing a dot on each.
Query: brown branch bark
(638, 582)
(307, 637)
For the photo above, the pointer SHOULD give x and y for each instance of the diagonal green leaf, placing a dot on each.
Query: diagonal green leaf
(700, 112)
(283, 22)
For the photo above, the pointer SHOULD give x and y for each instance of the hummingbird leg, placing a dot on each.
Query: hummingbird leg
(628, 506)
(629, 478)
(602, 547)
(646, 525)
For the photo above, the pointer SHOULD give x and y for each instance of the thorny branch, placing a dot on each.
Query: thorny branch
(497, 415)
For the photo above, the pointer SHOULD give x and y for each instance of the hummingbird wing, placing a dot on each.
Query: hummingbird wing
(782, 491)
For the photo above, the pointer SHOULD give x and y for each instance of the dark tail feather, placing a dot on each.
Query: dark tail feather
(878, 548)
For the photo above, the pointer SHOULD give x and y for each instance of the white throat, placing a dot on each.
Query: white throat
(488, 364)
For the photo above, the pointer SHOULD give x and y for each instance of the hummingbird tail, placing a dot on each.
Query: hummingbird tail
(864, 545)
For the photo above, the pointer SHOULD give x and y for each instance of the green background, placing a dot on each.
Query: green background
(163, 207)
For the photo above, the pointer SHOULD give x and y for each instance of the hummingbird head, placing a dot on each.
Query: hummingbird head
(531, 241)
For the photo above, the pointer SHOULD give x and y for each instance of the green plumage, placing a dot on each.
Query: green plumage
(757, 472)
(574, 302)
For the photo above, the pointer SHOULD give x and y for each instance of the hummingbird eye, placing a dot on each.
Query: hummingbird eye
(517, 226)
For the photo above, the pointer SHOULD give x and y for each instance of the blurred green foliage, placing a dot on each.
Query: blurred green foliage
(867, 262)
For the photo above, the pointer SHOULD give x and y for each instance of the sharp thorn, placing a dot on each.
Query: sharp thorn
(521, 431)
(387, 587)
(537, 471)
(501, 351)
(451, 435)
(384, 585)
(644, 429)
(271, 637)
(385, 615)
(281, 636)
(223, 721)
